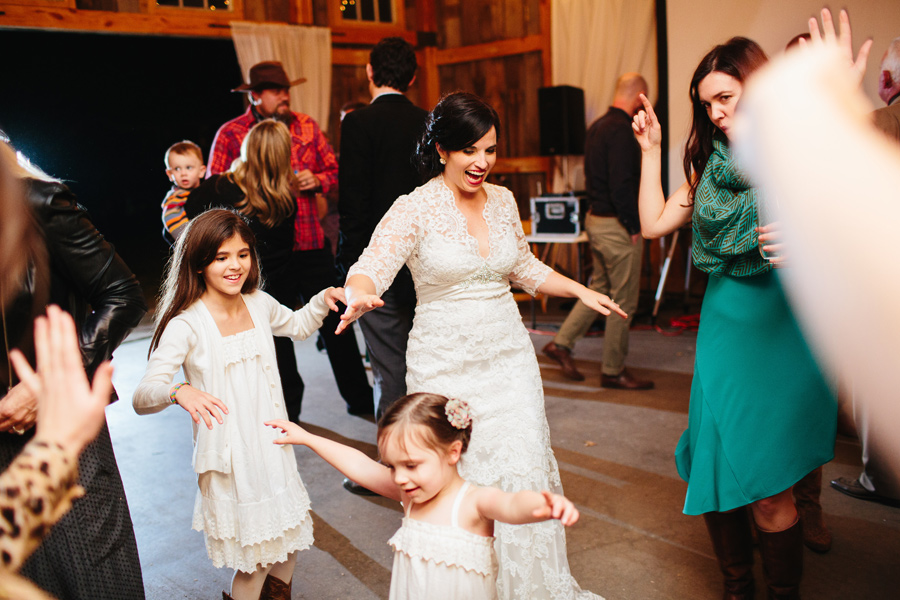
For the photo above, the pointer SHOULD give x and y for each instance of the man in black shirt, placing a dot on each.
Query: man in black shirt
(612, 169)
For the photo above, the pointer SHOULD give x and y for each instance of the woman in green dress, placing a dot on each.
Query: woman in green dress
(761, 416)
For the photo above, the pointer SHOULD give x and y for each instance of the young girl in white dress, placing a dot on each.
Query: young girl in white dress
(444, 549)
(217, 326)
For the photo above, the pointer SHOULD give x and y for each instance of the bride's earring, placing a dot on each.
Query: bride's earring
(442, 160)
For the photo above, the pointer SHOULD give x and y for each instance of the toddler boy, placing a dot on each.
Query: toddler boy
(185, 169)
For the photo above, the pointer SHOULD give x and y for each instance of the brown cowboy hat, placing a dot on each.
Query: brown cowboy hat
(268, 74)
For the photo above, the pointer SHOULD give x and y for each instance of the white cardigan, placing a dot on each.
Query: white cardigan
(192, 340)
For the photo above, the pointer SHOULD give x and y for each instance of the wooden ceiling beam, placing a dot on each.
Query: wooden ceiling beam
(450, 56)
(99, 21)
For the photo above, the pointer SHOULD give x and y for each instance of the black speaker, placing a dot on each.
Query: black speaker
(561, 111)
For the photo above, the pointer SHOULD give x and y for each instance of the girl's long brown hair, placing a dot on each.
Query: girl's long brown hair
(738, 57)
(195, 249)
(263, 172)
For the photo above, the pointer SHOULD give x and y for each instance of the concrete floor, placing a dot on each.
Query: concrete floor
(615, 453)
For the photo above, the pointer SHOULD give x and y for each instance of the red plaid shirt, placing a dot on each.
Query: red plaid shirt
(309, 150)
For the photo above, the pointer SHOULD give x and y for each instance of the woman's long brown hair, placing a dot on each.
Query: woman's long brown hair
(195, 249)
(737, 57)
(264, 174)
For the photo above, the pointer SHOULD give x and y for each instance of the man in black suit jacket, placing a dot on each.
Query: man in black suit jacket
(375, 168)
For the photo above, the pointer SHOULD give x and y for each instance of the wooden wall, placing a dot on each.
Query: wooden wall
(469, 22)
(498, 49)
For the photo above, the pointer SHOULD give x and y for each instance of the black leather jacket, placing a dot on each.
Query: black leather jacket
(86, 278)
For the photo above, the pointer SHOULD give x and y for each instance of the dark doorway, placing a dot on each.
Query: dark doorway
(99, 111)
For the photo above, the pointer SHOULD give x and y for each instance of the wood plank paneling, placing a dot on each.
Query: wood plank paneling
(510, 85)
(348, 83)
(469, 22)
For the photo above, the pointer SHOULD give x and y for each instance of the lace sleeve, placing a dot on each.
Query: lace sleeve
(529, 273)
(392, 243)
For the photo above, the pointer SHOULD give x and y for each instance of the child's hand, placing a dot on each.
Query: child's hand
(557, 507)
(293, 433)
(200, 405)
(333, 296)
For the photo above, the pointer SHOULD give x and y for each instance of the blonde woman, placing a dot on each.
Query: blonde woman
(262, 186)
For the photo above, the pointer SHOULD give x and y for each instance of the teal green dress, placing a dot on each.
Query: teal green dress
(761, 414)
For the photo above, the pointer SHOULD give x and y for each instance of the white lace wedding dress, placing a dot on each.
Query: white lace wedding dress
(468, 342)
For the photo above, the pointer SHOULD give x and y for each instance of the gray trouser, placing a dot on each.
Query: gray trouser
(617, 273)
(386, 330)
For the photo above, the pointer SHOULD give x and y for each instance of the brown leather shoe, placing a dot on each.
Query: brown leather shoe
(625, 381)
(564, 357)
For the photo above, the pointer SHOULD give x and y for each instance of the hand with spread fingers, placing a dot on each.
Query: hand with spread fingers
(200, 405)
(356, 308)
(843, 40)
(70, 411)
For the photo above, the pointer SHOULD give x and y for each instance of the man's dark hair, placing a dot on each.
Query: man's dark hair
(393, 63)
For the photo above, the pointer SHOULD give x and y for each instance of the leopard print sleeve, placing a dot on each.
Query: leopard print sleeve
(35, 492)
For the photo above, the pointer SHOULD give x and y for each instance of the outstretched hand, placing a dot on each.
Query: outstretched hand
(843, 40)
(200, 405)
(293, 433)
(70, 410)
(645, 125)
(600, 302)
(557, 507)
(356, 308)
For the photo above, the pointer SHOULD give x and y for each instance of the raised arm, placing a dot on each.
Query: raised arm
(658, 216)
(523, 507)
(351, 462)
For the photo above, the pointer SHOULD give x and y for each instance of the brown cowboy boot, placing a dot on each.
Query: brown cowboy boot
(275, 589)
(782, 558)
(732, 541)
(806, 496)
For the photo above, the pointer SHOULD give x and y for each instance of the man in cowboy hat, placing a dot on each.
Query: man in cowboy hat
(313, 162)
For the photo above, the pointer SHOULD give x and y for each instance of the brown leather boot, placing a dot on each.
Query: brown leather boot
(732, 541)
(782, 558)
(275, 589)
(816, 535)
(564, 357)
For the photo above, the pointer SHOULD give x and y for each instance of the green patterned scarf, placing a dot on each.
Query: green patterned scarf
(724, 220)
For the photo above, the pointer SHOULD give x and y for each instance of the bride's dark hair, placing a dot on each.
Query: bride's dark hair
(458, 121)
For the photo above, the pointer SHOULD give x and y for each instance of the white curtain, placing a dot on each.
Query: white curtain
(304, 51)
(593, 42)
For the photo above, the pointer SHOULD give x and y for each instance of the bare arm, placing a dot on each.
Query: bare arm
(351, 462)
(658, 216)
(523, 507)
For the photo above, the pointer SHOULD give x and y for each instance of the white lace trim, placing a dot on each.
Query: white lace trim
(222, 518)
(240, 347)
(247, 558)
(442, 544)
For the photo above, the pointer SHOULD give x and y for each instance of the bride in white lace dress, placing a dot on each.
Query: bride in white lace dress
(463, 242)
